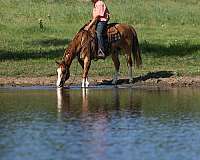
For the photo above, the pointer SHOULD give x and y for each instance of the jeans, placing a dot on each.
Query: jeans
(100, 28)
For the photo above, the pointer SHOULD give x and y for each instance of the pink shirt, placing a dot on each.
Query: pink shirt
(101, 10)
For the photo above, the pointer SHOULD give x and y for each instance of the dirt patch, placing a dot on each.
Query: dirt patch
(172, 81)
(44, 81)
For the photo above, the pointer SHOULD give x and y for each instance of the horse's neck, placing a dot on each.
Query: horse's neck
(72, 50)
(69, 56)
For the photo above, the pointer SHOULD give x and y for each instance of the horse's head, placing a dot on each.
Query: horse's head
(63, 74)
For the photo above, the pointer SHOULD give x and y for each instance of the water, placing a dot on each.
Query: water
(100, 124)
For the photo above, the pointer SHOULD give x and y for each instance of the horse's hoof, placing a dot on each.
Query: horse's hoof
(114, 82)
(130, 81)
(85, 86)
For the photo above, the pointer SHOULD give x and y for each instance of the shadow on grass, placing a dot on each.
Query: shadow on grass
(50, 42)
(38, 53)
(13, 55)
(150, 75)
(172, 49)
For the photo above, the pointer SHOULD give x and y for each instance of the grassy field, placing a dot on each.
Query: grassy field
(168, 32)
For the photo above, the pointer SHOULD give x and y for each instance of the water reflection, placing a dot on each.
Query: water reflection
(90, 101)
(99, 124)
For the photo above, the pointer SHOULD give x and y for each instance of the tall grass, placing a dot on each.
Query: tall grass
(168, 31)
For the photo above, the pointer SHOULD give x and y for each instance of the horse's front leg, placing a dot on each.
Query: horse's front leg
(87, 63)
(85, 83)
(83, 80)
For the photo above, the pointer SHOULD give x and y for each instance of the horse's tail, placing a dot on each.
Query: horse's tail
(136, 48)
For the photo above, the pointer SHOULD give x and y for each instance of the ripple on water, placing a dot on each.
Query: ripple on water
(99, 124)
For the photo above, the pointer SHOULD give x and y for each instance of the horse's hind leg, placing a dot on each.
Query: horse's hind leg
(129, 63)
(117, 65)
(130, 76)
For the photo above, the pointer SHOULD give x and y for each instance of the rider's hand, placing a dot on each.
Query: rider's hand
(86, 28)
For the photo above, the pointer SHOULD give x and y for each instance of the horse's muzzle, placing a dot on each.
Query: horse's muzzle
(60, 85)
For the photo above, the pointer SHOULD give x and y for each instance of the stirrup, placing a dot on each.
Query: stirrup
(101, 54)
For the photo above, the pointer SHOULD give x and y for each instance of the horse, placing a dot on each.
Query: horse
(122, 37)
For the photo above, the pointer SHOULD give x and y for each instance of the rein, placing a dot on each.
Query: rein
(75, 74)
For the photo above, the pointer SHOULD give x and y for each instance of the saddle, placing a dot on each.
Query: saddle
(112, 33)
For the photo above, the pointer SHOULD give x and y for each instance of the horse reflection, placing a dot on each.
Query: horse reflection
(64, 103)
(133, 103)
(63, 100)
(85, 100)
(98, 102)
(116, 100)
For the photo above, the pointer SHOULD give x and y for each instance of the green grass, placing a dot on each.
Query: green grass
(168, 32)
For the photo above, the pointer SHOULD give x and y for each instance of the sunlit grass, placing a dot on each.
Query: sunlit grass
(168, 33)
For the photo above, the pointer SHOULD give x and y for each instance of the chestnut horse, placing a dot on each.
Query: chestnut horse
(84, 47)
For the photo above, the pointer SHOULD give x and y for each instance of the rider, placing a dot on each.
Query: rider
(101, 14)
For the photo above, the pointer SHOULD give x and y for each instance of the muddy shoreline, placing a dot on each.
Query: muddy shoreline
(173, 81)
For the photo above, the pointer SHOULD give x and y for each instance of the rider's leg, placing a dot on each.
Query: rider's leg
(101, 26)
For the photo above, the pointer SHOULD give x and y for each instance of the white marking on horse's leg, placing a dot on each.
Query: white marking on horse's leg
(84, 92)
(115, 78)
(130, 74)
(83, 83)
(86, 82)
(59, 76)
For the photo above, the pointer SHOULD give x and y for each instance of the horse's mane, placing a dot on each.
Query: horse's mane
(70, 45)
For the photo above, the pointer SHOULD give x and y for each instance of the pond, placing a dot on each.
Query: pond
(99, 123)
